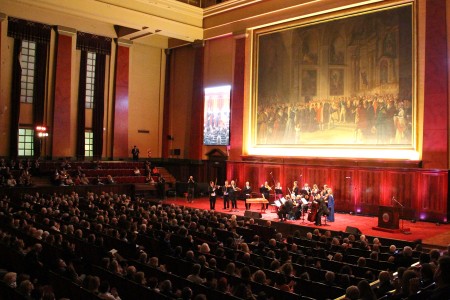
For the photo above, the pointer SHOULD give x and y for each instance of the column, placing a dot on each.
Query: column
(121, 100)
(61, 132)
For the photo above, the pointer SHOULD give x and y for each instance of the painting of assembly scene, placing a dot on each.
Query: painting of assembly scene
(345, 81)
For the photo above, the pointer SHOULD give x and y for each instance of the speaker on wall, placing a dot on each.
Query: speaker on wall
(352, 230)
(252, 214)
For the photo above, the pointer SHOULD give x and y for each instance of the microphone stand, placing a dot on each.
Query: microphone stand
(401, 205)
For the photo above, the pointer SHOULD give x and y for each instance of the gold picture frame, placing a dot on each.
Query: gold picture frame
(345, 82)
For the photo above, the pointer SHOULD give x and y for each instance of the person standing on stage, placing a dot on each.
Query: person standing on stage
(212, 190)
(321, 210)
(226, 199)
(232, 192)
(307, 188)
(315, 190)
(190, 189)
(324, 191)
(295, 189)
(265, 191)
(330, 199)
(247, 191)
(278, 191)
(135, 153)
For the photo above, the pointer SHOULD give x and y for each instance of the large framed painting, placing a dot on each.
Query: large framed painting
(345, 82)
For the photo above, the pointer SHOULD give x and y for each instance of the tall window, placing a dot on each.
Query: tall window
(27, 63)
(25, 145)
(90, 77)
(88, 144)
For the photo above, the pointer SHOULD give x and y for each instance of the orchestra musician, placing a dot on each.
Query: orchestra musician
(321, 210)
(212, 190)
(285, 209)
(247, 191)
(278, 191)
(190, 189)
(315, 190)
(232, 193)
(226, 198)
(295, 189)
(299, 207)
(265, 191)
(307, 188)
(324, 191)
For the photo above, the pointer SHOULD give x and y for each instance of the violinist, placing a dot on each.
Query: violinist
(247, 191)
(212, 190)
(232, 193)
(226, 199)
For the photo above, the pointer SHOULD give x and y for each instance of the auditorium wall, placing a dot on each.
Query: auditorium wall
(146, 67)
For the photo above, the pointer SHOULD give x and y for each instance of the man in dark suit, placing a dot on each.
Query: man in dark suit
(135, 153)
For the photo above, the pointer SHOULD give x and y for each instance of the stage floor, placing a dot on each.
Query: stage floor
(431, 234)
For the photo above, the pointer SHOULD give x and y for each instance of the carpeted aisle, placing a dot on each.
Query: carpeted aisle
(431, 234)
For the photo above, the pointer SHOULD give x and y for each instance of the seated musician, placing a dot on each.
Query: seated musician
(285, 209)
(247, 191)
(298, 207)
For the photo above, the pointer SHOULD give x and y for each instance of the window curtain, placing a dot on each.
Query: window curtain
(40, 33)
(99, 104)
(101, 46)
(40, 77)
(81, 106)
(15, 100)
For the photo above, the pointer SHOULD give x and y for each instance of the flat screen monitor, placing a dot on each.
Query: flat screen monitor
(216, 120)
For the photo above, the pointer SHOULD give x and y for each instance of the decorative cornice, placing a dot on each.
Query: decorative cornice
(240, 34)
(124, 43)
(66, 30)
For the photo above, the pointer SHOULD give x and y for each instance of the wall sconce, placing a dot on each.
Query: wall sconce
(41, 131)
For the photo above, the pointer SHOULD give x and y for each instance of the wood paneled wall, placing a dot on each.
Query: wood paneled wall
(423, 193)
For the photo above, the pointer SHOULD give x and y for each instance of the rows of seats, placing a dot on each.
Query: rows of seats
(171, 233)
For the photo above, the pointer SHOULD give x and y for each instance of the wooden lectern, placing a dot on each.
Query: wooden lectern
(388, 217)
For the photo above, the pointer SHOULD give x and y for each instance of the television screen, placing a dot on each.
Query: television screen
(216, 120)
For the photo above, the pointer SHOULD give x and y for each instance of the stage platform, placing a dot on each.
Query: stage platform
(431, 234)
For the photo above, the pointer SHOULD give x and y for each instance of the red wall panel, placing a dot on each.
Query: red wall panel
(435, 125)
(61, 132)
(423, 193)
(237, 100)
(120, 148)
